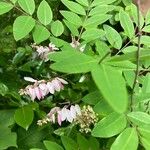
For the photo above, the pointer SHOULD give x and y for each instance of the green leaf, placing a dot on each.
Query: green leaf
(83, 143)
(75, 62)
(52, 146)
(44, 13)
(115, 93)
(102, 2)
(40, 34)
(92, 34)
(5, 7)
(146, 29)
(74, 7)
(35, 149)
(7, 117)
(144, 54)
(147, 18)
(145, 143)
(57, 28)
(7, 138)
(3, 89)
(144, 131)
(72, 18)
(132, 9)
(96, 20)
(102, 9)
(103, 108)
(127, 140)
(144, 40)
(83, 2)
(113, 37)
(73, 28)
(126, 24)
(110, 126)
(94, 143)
(33, 137)
(129, 49)
(13, 1)
(122, 65)
(23, 26)
(69, 143)
(146, 84)
(139, 118)
(127, 2)
(92, 98)
(19, 56)
(24, 116)
(27, 5)
(102, 48)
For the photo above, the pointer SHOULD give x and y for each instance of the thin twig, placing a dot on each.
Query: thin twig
(138, 55)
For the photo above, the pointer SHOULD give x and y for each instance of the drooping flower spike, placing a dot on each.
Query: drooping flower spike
(84, 117)
(75, 44)
(59, 115)
(43, 51)
(42, 88)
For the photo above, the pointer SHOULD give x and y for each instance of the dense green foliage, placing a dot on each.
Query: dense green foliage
(97, 43)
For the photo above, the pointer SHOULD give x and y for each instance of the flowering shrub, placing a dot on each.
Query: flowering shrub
(74, 75)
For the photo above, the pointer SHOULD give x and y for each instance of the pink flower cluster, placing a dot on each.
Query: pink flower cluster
(43, 51)
(76, 44)
(42, 88)
(59, 115)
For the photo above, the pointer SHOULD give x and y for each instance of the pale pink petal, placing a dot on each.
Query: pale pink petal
(59, 118)
(44, 89)
(30, 79)
(53, 111)
(64, 114)
(73, 112)
(32, 93)
(38, 93)
(50, 87)
(82, 79)
(62, 80)
(52, 47)
(69, 117)
(82, 48)
(78, 110)
(53, 118)
(57, 84)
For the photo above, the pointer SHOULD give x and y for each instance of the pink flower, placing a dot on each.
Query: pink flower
(38, 93)
(64, 114)
(42, 88)
(75, 44)
(43, 51)
(57, 85)
(50, 87)
(59, 117)
(30, 79)
(32, 93)
(77, 109)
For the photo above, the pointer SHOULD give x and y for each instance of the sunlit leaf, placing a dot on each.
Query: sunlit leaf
(22, 26)
(109, 126)
(44, 13)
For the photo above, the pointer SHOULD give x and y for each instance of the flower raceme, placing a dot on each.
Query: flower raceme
(86, 118)
(43, 51)
(60, 115)
(76, 44)
(42, 88)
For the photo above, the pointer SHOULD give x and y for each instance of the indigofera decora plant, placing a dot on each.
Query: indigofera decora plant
(74, 75)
